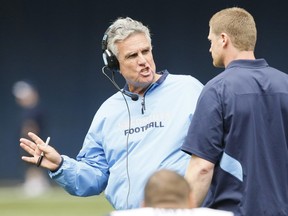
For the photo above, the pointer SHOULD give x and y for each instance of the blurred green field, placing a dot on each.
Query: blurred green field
(55, 202)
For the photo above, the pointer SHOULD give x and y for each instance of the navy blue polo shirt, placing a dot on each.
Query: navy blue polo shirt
(241, 125)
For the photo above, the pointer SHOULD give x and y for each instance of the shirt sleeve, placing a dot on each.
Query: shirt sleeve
(88, 174)
(205, 133)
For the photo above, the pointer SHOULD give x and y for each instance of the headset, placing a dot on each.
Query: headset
(112, 64)
(110, 60)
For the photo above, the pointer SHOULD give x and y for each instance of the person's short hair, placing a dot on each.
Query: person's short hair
(238, 24)
(167, 189)
(121, 29)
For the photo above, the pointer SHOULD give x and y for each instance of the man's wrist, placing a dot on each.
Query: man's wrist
(61, 163)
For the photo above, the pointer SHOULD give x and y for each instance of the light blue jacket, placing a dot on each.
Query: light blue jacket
(124, 146)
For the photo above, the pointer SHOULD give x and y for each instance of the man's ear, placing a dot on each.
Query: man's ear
(224, 38)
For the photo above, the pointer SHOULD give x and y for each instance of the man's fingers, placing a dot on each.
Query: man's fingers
(28, 143)
(36, 138)
(29, 159)
(31, 147)
(27, 148)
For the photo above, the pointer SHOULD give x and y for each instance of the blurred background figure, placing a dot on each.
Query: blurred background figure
(35, 181)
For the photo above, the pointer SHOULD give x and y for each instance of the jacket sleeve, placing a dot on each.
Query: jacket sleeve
(88, 174)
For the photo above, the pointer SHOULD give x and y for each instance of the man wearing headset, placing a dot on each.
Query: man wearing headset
(135, 132)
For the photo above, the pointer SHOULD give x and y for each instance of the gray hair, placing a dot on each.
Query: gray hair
(121, 29)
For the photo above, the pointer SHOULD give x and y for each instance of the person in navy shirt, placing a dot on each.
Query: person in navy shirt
(238, 137)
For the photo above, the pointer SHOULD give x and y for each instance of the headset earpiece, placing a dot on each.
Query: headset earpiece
(109, 58)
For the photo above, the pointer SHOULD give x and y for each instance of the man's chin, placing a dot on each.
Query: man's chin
(218, 65)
